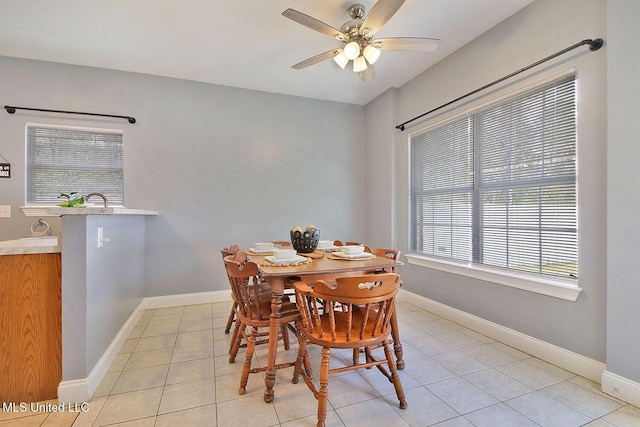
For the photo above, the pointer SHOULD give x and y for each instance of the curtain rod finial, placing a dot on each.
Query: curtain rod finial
(132, 120)
(595, 44)
(10, 109)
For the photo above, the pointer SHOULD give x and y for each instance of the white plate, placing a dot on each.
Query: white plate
(262, 251)
(277, 261)
(357, 256)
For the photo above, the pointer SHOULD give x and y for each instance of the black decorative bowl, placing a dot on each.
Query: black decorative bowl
(305, 241)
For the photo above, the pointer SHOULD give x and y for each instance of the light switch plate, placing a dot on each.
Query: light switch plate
(5, 211)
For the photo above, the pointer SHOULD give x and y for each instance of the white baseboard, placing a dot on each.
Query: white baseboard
(186, 299)
(621, 388)
(573, 362)
(73, 391)
(81, 390)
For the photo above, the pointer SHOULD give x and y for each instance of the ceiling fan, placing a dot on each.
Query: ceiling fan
(357, 34)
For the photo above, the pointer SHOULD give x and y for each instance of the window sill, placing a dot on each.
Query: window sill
(558, 288)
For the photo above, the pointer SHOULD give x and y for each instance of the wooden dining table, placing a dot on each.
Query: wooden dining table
(325, 268)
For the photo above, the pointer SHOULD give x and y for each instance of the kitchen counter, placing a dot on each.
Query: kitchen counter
(103, 283)
(96, 210)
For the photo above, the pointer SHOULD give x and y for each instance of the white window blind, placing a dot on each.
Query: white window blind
(498, 186)
(61, 159)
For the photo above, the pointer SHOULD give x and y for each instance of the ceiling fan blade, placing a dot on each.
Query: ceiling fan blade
(368, 74)
(381, 12)
(314, 24)
(315, 59)
(407, 43)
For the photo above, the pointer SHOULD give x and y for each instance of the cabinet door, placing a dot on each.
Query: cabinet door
(31, 327)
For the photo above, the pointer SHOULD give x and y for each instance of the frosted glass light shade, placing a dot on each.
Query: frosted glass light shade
(371, 53)
(352, 50)
(359, 64)
(341, 59)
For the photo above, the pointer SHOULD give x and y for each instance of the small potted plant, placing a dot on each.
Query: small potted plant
(73, 200)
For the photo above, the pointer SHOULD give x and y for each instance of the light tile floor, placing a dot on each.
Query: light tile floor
(173, 370)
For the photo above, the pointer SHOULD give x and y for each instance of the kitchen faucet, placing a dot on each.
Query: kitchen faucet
(86, 198)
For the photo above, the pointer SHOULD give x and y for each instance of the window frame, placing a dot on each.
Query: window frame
(37, 206)
(556, 286)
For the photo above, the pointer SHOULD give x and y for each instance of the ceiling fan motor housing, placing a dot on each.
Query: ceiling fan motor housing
(356, 11)
(352, 27)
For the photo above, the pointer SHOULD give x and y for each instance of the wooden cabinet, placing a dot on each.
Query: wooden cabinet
(30, 327)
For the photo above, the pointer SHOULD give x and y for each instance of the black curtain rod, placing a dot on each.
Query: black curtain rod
(593, 45)
(10, 109)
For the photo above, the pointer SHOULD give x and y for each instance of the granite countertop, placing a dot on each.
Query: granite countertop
(38, 245)
(31, 250)
(99, 211)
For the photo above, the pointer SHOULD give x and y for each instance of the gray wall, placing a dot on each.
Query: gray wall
(542, 28)
(623, 196)
(380, 179)
(222, 165)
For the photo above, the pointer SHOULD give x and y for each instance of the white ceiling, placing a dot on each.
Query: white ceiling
(246, 44)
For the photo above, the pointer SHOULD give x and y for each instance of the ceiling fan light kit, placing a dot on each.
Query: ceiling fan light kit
(359, 64)
(357, 37)
(371, 54)
(341, 59)
(352, 50)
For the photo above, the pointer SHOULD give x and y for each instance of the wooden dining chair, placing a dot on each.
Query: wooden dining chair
(254, 312)
(232, 250)
(264, 289)
(332, 316)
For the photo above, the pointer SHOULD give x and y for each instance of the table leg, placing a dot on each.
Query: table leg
(277, 289)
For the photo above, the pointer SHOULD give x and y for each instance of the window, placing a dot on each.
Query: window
(64, 159)
(497, 187)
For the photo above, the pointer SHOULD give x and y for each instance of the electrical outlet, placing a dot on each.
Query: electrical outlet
(5, 211)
